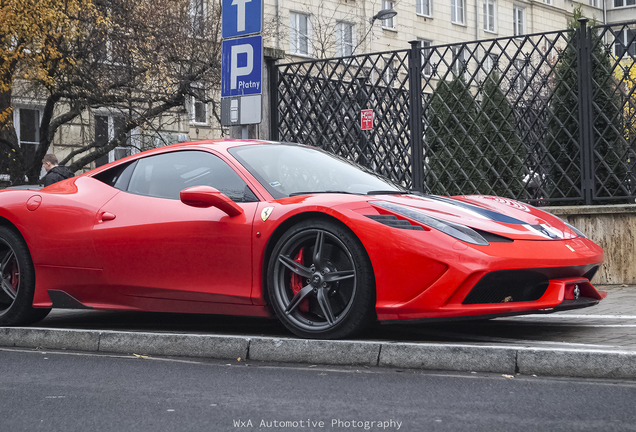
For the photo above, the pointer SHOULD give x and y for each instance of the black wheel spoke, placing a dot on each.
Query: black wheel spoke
(339, 275)
(5, 261)
(7, 288)
(294, 266)
(298, 298)
(320, 242)
(7, 274)
(325, 306)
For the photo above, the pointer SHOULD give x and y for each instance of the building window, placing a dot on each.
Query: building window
(345, 39)
(388, 23)
(594, 3)
(548, 2)
(621, 3)
(490, 8)
(198, 106)
(521, 78)
(299, 34)
(423, 7)
(457, 11)
(390, 74)
(196, 9)
(460, 58)
(27, 121)
(490, 63)
(519, 20)
(624, 44)
(111, 49)
(107, 127)
(427, 57)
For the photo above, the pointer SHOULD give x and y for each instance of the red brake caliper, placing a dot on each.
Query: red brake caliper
(15, 280)
(297, 282)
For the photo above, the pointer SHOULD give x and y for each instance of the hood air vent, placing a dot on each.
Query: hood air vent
(394, 222)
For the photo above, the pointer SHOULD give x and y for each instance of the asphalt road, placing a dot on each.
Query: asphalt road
(65, 391)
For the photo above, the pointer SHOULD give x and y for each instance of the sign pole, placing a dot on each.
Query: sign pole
(241, 63)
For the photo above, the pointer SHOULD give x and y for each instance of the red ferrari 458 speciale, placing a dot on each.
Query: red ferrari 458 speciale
(262, 229)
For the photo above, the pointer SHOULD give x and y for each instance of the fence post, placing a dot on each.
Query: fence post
(586, 115)
(272, 71)
(415, 116)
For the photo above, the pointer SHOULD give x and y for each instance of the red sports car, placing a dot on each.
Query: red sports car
(256, 228)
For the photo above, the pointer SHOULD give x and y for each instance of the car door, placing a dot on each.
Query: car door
(153, 246)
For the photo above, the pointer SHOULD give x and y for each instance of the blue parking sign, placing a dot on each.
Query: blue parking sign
(242, 66)
(241, 18)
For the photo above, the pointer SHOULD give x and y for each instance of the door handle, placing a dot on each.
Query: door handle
(105, 216)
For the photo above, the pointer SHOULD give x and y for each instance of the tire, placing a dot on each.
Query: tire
(17, 282)
(320, 281)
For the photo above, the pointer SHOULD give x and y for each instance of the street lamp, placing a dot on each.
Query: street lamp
(382, 15)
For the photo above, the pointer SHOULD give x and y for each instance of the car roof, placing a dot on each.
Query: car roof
(215, 144)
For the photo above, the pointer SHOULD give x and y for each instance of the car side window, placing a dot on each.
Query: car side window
(167, 174)
(118, 176)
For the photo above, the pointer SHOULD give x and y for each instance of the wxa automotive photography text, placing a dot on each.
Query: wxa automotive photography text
(313, 424)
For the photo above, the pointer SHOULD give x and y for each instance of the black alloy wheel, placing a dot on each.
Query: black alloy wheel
(320, 281)
(17, 282)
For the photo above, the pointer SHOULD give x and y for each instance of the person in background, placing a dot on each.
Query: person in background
(54, 172)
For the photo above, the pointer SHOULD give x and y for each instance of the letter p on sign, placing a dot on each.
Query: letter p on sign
(239, 71)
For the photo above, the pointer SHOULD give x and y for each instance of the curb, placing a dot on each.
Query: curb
(582, 363)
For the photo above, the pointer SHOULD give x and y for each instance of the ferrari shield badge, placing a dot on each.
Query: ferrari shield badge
(266, 212)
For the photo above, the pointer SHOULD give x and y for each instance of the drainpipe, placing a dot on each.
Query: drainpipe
(278, 24)
(477, 19)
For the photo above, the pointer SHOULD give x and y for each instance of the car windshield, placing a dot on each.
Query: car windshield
(288, 169)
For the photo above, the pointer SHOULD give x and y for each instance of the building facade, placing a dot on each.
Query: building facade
(332, 28)
(324, 29)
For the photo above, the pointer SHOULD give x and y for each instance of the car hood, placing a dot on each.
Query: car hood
(502, 216)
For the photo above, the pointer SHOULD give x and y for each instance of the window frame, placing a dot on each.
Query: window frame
(421, 11)
(460, 59)
(129, 149)
(490, 63)
(486, 16)
(624, 3)
(518, 25)
(623, 38)
(17, 124)
(389, 23)
(427, 56)
(521, 79)
(295, 36)
(193, 105)
(458, 7)
(341, 43)
(197, 11)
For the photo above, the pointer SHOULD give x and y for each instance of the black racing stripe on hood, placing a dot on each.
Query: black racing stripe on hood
(492, 215)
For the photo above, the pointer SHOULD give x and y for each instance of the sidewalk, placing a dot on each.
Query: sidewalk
(597, 342)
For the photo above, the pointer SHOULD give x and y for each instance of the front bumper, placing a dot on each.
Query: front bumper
(561, 295)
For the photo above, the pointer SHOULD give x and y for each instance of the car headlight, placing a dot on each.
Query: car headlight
(460, 232)
(575, 229)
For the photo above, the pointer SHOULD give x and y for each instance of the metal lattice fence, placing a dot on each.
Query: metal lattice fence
(547, 118)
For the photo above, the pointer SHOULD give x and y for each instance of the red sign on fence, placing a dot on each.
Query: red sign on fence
(366, 119)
